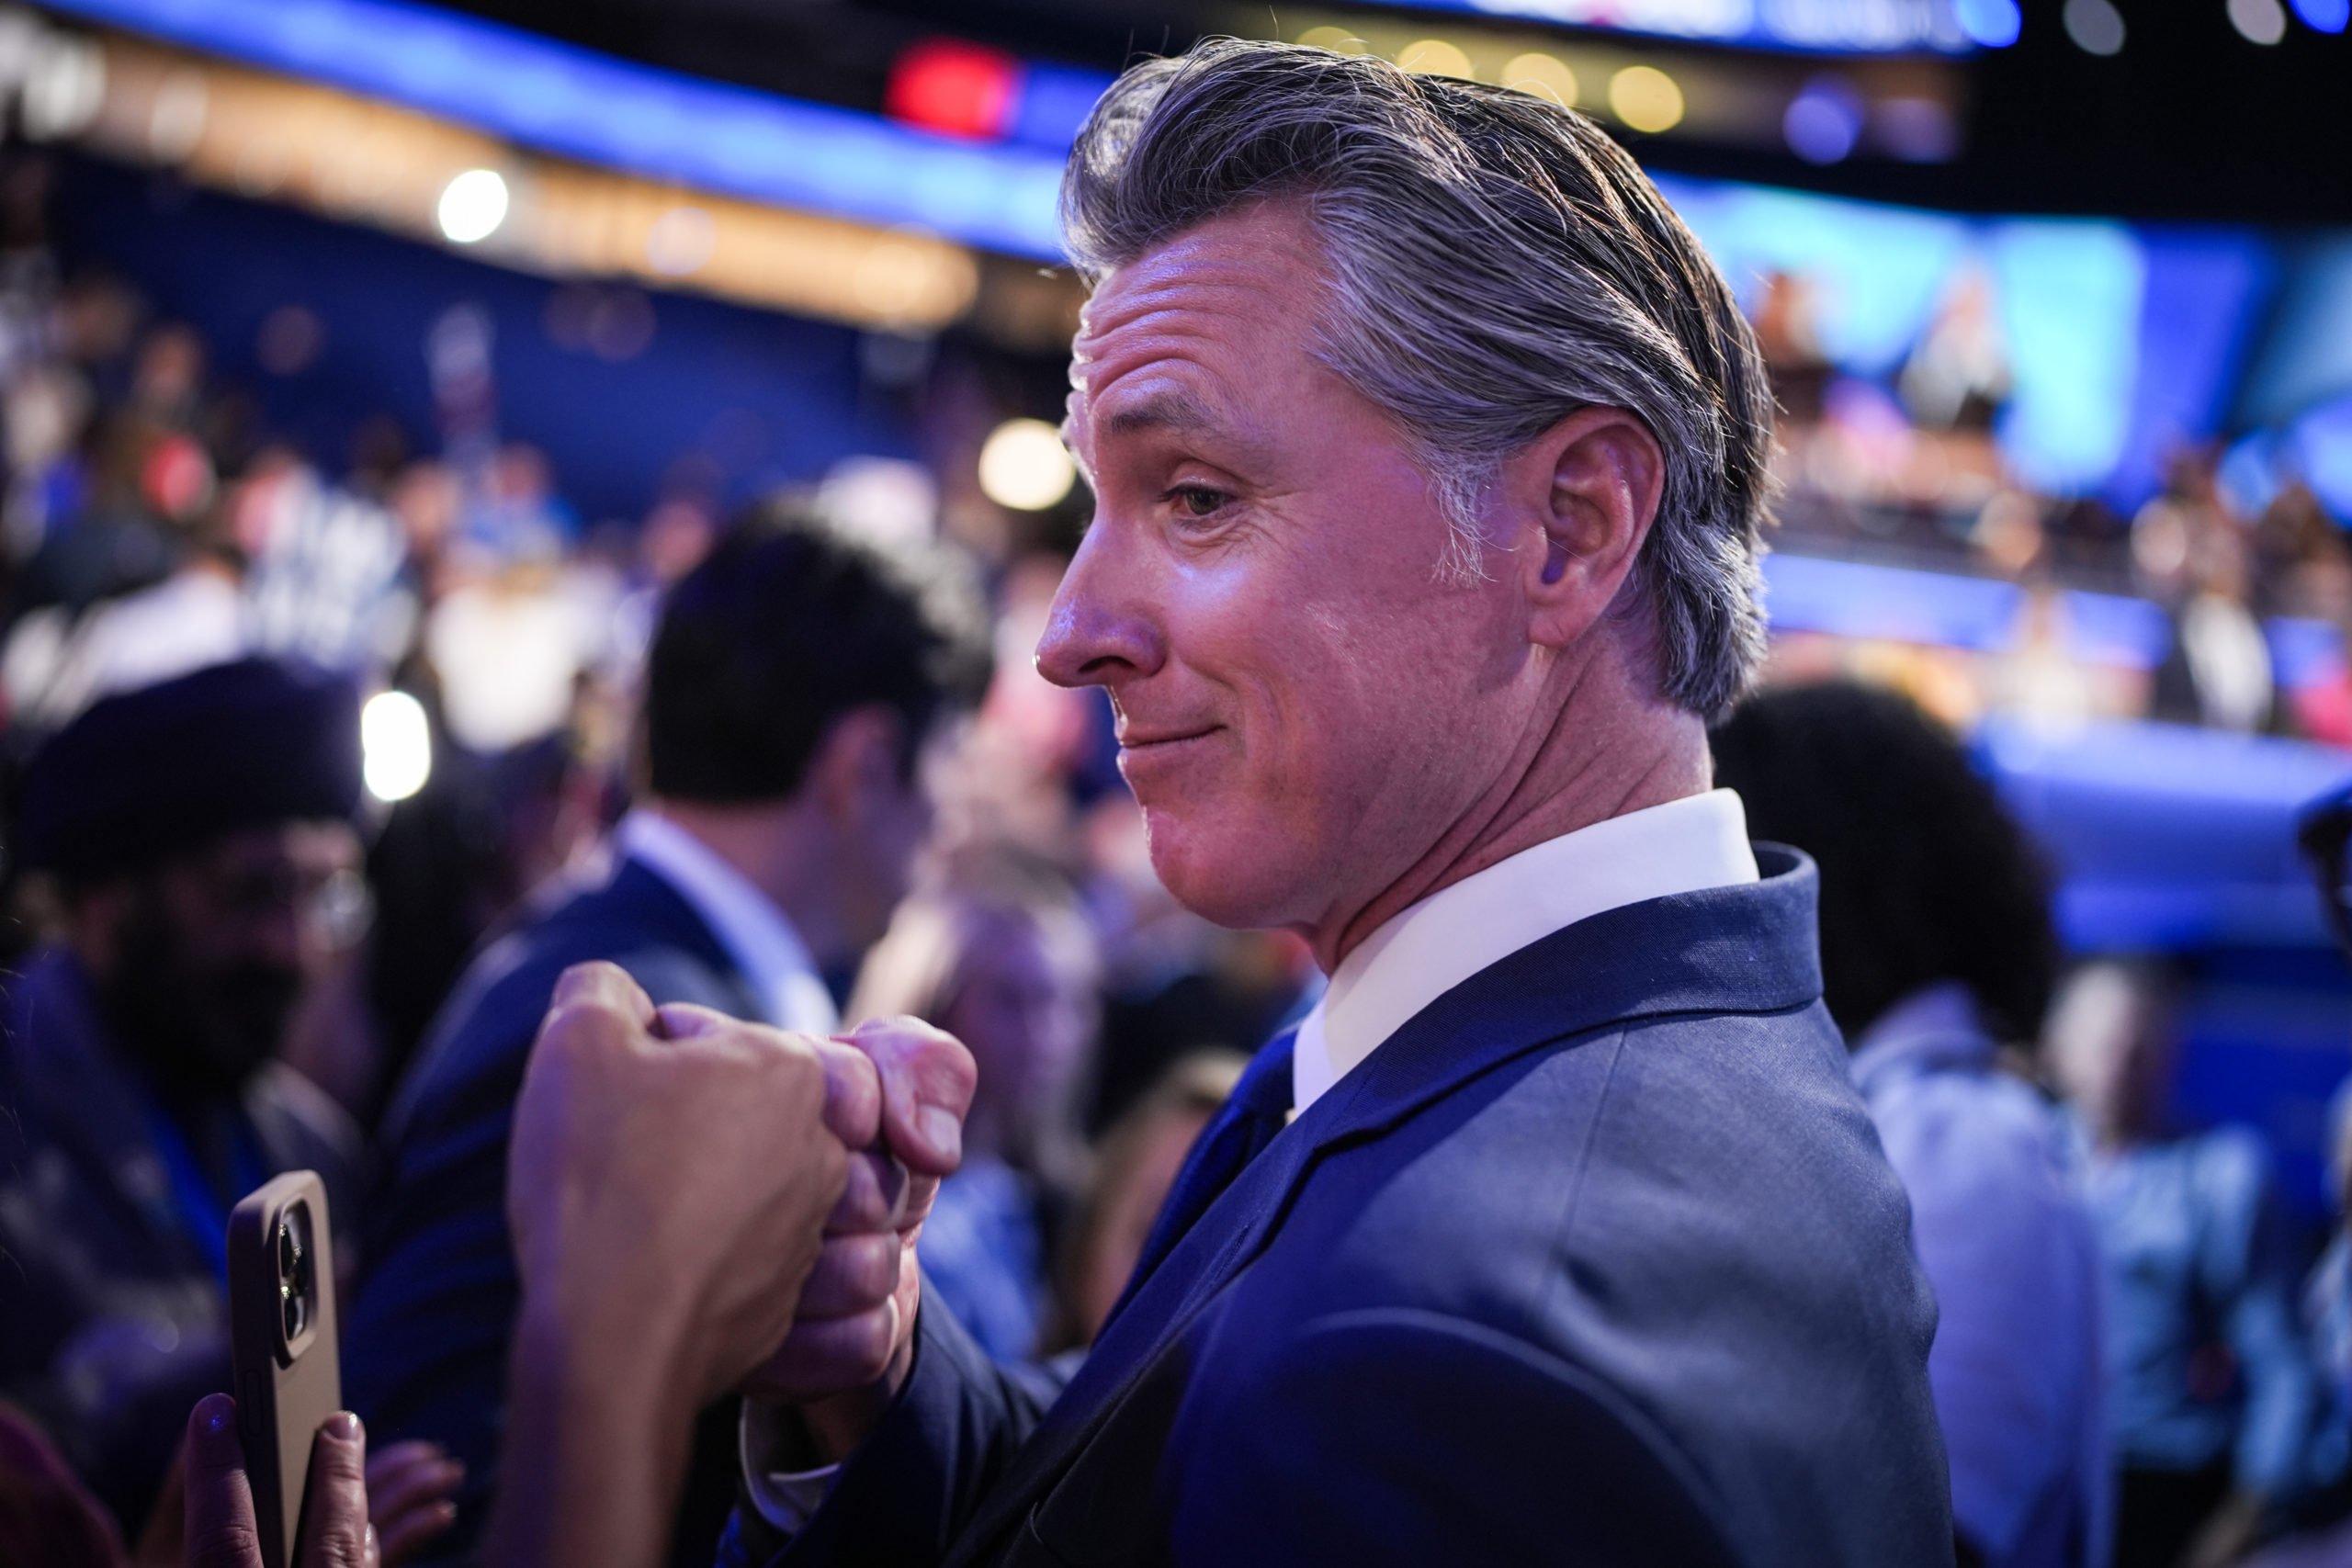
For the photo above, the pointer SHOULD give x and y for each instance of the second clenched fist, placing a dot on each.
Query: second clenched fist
(855, 1328)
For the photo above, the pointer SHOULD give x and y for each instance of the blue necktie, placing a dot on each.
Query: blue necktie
(1258, 1110)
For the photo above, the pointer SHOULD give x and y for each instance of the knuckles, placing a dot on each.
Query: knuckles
(225, 1546)
(865, 1268)
(877, 1343)
(874, 1188)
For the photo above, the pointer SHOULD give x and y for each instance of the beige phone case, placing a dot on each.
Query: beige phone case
(282, 1324)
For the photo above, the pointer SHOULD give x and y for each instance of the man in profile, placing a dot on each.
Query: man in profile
(1430, 453)
(1430, 456)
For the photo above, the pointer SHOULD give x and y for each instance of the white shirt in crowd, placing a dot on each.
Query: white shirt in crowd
(755, 933)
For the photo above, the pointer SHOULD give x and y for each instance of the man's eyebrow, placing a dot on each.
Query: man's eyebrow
(1163, 411)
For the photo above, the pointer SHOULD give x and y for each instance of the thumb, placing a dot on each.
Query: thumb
(927, 1082)
(221, 1530)
(334, 1505)
(852, 1095)
(603, 985)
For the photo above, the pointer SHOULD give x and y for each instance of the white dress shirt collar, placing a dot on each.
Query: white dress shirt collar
(755, 933)
(1419, 954)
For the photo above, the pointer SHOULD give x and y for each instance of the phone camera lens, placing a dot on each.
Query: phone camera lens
(294, 1272)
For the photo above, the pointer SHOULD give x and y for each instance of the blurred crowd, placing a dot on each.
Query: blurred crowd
(153, 526)
(184, 593)
(196, 588)
(1909, 470)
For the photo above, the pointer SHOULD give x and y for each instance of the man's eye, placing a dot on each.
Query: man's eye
(1198, 501)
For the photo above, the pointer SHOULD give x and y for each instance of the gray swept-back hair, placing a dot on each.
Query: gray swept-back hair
(1496, 263)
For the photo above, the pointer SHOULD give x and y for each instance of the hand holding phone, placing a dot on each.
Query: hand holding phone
(220, 1517)
(282, 1334)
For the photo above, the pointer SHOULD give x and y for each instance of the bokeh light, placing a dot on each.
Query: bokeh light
(1991, 24)
(2259, 21)
(395, 746)
(1340, 40)
(1434, 57)
(2096, 26)
(472, 206)
(1645, 98)
(1546, 75)
(680, 241)
(1824, 121)
(1024, 466)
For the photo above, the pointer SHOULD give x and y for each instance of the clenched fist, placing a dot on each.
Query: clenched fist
(854, 1341)
(671, 1174)
(669, 1182)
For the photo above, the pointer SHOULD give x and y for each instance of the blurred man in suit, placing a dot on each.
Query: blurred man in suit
(795, 683)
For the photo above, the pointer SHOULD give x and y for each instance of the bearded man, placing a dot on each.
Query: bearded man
(199, 833)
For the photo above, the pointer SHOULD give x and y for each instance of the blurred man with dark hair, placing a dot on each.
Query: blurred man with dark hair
(796, 682)
(1936, 951)
(2211, 1400)
(201, 835)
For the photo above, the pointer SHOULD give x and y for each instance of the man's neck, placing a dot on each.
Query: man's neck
(774, 849)
(1578, 771)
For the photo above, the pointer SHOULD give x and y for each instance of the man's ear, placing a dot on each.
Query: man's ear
(857, 760)
(1582, 496)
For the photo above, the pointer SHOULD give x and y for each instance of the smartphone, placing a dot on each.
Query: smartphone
(282, 1333)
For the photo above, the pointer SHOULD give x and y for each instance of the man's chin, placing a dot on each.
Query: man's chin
(1199, 866)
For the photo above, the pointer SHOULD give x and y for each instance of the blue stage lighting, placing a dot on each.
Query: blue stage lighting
(1992, 23)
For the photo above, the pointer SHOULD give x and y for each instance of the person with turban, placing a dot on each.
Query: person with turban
(201, 838)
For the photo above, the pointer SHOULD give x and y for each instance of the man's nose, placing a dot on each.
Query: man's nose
(1103, 631)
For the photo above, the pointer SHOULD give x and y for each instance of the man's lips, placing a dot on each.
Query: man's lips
(1132, 740)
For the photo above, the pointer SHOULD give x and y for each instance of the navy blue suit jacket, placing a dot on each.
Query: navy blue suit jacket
(427, 1336)
(1595, 1262)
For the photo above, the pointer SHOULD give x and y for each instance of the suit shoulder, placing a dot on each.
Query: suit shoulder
(475, 1051)
(1695, 1210)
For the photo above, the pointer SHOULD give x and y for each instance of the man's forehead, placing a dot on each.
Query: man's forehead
(1245, 263)
(1161, 335)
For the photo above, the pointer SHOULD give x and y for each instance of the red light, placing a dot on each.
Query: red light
(960, 88)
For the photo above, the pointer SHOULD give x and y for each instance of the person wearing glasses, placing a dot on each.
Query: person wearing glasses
(200, 838)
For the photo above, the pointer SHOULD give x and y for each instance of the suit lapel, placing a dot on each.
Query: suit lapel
(1744, 949)
(643, 901)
